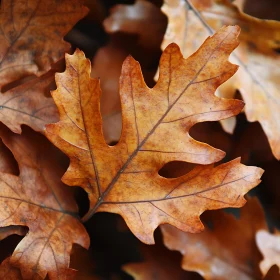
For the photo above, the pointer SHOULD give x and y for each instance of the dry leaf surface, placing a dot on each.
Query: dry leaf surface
(124, 178)
(258, 76)
(32, 34)
(228, 251)
(38, 200)
(29, 104)
(269, 245)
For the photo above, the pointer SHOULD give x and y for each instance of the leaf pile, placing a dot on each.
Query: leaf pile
(81, 138)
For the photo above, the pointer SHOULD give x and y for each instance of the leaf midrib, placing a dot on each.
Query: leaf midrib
(130, 158)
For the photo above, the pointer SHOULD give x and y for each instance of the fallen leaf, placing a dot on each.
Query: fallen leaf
(269, 245)
(29, 104)
(159, 263)
(258, 76)
(124, 178)
(142, 18)
(228, 251)
(8, 272)
(38, 200)
(106, 65)
(32, 35)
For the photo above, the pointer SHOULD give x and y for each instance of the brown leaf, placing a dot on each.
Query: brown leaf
(37, 199)
(257, 78)
(159, 263)
(124, 178)
(31, 35)
(269, 245)
(28, 104)
(142, 18)
(8, 272)
(228, 251)
(107, 65)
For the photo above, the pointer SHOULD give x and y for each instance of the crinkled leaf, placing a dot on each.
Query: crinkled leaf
(124, 178)
(227, 250)
(29, 104)
(32, 34)
(258, 76)
(38, 200)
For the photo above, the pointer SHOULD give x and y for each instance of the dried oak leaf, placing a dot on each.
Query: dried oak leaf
(269, 245)
(159, 263)
(29, 104)
(9, 272)
(228, 251)
(32, 34)
(38, 200)
(190, 22)
(142, 18)
(124, 178)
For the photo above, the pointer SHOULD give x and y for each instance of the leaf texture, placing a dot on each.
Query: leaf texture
(32, 34)
(257, 79)
(124, 178)
(29, 104)
(214, 253)
(38, 200)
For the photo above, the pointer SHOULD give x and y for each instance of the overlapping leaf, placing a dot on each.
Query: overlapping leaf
(258, 76)
(32, 34)
(142, 18)
(214, 253)
(38, 200)
(124, 178)
(29, 104)
(159, 263)
(269, 245)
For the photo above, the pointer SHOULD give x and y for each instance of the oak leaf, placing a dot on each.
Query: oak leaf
(32, 34)
(124, 178)
(227, 250)
(38, 200)
(269, 245)
(159, 263)
(257, 79)
(8, 272)
(142, 18)
(29, 104)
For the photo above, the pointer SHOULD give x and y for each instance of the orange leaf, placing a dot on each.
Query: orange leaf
(124, 178)
(31, 35)
(27, 104)
(258, 76)
(37, 199)
(269, 245)
(227, 251)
